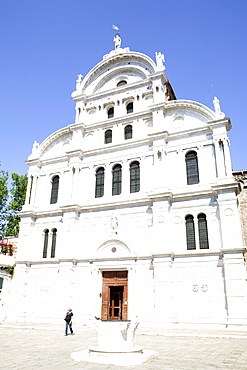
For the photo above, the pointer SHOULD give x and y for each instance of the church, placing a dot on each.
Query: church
(131, 211)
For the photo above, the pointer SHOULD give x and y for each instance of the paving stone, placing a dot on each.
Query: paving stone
(36, 346)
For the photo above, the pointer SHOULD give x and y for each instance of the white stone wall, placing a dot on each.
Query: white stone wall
(167, 284)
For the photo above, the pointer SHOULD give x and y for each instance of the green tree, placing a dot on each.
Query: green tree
(3, 200)
(18, 194)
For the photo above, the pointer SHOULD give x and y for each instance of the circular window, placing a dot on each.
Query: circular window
(121, 83)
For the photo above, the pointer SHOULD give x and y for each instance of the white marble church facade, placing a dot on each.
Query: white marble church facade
(131, 211)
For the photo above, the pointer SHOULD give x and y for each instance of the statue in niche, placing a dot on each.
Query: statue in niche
(160, 59)
(117, 40)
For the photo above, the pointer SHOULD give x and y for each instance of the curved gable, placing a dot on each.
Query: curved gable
(55, 145)
(136, 66)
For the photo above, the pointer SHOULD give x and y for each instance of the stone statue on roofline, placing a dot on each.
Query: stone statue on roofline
(217, 108)
(79, 81)
(160, 59)
(117, 40)
(35, 147)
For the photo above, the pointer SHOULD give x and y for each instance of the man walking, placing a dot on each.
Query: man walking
(68, 322)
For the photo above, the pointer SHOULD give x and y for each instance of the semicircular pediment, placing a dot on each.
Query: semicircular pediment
(136, 63)
(56, 144)
(113, 249)
(110, 80)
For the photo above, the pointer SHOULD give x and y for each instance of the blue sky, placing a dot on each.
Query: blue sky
(45, 44)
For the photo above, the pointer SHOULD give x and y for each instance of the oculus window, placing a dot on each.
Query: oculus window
(121, 83)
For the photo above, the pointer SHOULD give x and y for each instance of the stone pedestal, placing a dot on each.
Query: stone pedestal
(115, 345)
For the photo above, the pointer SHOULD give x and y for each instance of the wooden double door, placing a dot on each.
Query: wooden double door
(115, 295)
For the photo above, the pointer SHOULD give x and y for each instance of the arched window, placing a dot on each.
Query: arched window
(110, 112)
(46, 237)
(121, 83)
(203, 231)
(99, 183)
(54, 189)
(134, 177)
(108, 136)
(117, 179)
(53, 242)
(128, 132)
(129, 107)
(190, 232)
(192, 168)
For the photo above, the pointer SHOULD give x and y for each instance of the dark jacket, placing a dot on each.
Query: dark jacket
(68, 316)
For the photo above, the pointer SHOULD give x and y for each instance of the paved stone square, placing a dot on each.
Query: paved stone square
(41, 346)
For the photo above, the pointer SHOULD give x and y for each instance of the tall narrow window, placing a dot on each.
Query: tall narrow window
(30, 192)
(128, 132)
(203, 231)
(190, 232)
(99, 183)
(108, 136)
(54, 189)
(46, 237)
(192, 168)
(117, 179)
(134, 177)
(53, 243)
(110, 112)
(129, 107)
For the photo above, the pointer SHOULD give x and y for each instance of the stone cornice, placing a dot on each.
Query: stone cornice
(156, 257)
(221, 122)
(113, 91)
(226, 186)
(120, 120)
(32, 212)
(138, 200)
